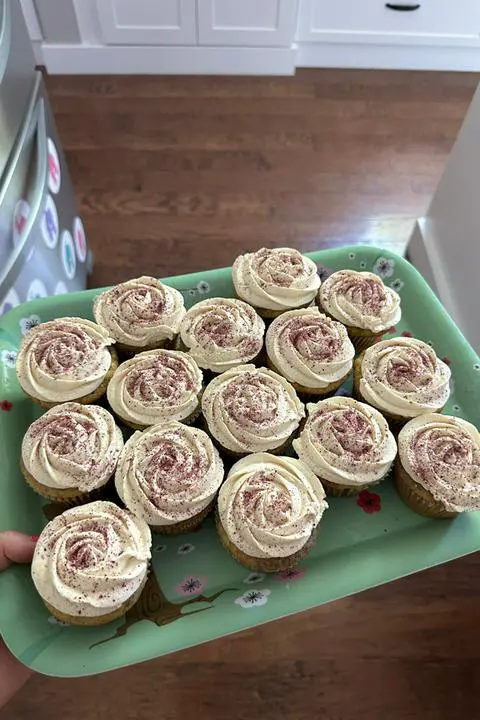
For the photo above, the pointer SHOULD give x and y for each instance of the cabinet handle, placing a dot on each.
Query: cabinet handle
(402, 8)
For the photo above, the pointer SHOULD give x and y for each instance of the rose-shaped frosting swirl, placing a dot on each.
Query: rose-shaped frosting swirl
(168, 473)
(91, 559)
(63, 359)
(360, 299)
(309, 349)
(442, 453)
(251, 410)
(72, 446)
(403, 376)
(269, 506)
(346, 442)
(155, 385)
(275, 279)
(221, 333)
(140, 313)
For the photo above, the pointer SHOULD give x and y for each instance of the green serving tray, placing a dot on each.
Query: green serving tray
(196, 592)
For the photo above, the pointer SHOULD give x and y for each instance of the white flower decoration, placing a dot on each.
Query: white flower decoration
(363, 265)
(384, 267)
(191, 292)
(9, 358)
(397, 284)
(253, 598)
(203, 287)
(53, 621)
(254, 578)
(27, 323)
(185, 549)
(352, 255)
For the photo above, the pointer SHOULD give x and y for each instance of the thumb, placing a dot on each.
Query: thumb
(15, 548)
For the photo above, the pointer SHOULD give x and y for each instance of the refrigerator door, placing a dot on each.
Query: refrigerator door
(47, 249)
(17, 75)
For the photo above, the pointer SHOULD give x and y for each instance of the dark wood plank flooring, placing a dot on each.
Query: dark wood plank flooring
(179, 174)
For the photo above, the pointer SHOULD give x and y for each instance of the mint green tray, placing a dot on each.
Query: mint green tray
(196, 592)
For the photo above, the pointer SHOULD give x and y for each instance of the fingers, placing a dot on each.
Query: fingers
(15, 548)
(12, 675)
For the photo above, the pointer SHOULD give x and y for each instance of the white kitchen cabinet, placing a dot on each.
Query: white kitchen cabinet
(265, 23)
(147, 22)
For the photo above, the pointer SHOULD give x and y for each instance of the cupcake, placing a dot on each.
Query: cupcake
(220, 333)
(91, 563)
(65, 359)
(347, 444)
(437, 472)
(251, 409)
(156, 386)
(362, 303)
(169, 475)
(402, 378)
(275, 280)
(71, 452)
(310, 350)
(140, 314)
(269, 508)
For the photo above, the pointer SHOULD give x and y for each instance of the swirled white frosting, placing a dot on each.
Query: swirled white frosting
(155, 385)
(275, 278)
(403, 376)
(91, 559)
(72, 446)
(269, 506)
(221, 333)
(360, 299)
(309, 349)
(140, 313)
(251, 409)
(442, 454)
(168, 473)
(64, 359)
(346, 442)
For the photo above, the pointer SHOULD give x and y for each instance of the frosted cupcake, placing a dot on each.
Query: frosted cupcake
(402, 378)
(269, 508)
(71, 452)
(140, 314)
(169, 475)
(310, 350)
(362, 302)
(220, 333)
(156, 386)
(347, 444)
(65, 359)
(91, 563)
(437, 472)
(275, 279)
(251, 409)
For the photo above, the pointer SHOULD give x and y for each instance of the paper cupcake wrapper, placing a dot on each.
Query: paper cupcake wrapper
(70, 497)
(184, 526)
(418, 498)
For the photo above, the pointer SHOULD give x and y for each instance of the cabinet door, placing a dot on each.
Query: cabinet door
(247, 22)
(147, 22)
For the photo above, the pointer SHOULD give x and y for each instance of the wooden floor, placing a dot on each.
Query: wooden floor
(181, 174)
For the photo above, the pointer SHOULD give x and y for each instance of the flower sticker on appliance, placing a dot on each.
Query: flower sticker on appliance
(79, 239)
(191, 585)
(69, 261)
(36, 290)
(384, 267)
(8, 358)
(54, 170)
(10, 301)
(60, 288)
(27, 323)
(50, 228)
(252, 598)
(20, 218)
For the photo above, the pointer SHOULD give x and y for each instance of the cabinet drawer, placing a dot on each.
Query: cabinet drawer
(433, 18)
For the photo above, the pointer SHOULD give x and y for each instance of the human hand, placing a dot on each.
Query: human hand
(14, 548)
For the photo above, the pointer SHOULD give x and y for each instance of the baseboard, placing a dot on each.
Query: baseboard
(388, 57)
(99, 59)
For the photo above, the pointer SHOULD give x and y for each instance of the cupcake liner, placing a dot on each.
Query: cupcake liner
(308, 394)
(268, 565)
(339, 490)
(99, 619)
(418, 498)
(70, 497)
(361, 339)
(184, 526)
(267, 314)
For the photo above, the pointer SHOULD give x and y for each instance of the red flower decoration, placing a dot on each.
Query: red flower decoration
(392, 330)
(447, 361)
(407, 333)
(6, 405)
(369, 502)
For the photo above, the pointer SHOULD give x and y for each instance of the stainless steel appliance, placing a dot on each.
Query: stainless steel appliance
(43, 249)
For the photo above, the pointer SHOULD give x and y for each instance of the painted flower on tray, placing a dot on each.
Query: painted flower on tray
(5, 405)
(456, 409)
(352, 255)
(476, 366)
(406, 333)
(397, 284)
(160, 548)
(27, 323)
(203, 287)
(384, 267)
(252, 598)
(369, 502)
(363, 265)
(185, 549)
(254, 577)
(288, 576)
(191, 585)
(391, 330)
(9, 358)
